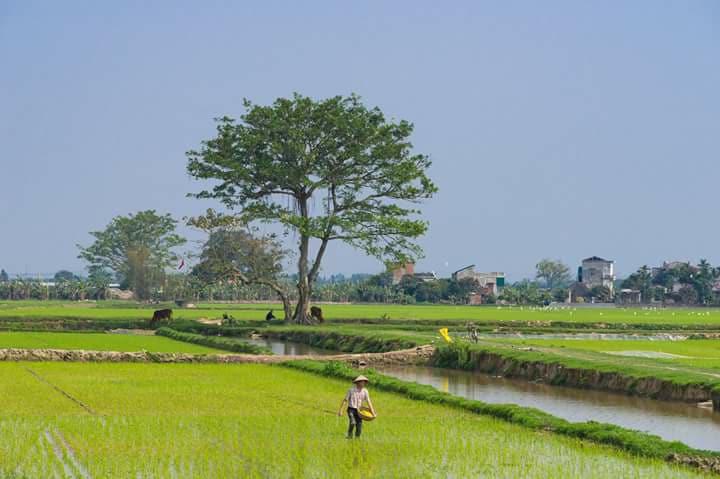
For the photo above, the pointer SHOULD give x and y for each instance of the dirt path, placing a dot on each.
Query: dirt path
(420, 354)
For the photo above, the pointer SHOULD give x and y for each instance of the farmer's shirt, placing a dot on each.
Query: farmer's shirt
(355, 397)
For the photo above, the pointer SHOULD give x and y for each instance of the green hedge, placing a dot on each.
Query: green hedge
(217, 342)
(349, 342)
(636, 442)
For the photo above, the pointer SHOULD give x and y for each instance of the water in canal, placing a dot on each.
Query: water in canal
(289, 348)
(696, 427)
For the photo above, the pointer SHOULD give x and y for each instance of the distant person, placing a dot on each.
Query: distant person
(354, 399)
(270, 316)
(473, 332)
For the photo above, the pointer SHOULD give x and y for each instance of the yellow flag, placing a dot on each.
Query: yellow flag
(445, 335)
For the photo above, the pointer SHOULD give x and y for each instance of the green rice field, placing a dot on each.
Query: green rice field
(701, 353)
(255, 421)
(128, 310)
(100, 342)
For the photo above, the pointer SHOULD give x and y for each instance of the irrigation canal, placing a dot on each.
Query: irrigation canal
(696, 427)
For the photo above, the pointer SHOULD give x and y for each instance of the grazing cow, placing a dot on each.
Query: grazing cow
(270, 316)
(316, 313)
(162, 315)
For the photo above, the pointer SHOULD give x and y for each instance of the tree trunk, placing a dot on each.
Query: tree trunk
(287, 308)
(301, 315)
(303, 304)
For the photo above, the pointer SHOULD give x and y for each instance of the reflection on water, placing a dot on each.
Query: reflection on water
(694, 426)
(288, 348)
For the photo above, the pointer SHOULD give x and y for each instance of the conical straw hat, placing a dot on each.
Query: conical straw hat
(361, 378)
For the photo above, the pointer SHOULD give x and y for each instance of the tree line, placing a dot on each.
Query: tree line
(321, 172)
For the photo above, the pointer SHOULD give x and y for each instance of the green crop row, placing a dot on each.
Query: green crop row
(217, 342)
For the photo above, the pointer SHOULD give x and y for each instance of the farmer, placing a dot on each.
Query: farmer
(354, 399)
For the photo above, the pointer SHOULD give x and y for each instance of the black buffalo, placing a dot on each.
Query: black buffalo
(162, 315)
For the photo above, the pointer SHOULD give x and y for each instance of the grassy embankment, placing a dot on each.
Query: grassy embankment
(585, 369)
(179, 420)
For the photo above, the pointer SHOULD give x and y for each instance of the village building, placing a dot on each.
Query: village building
(629, 297)
(491, 283)
(596, 271)
(401, 270)
(408, 269)
(676, 285)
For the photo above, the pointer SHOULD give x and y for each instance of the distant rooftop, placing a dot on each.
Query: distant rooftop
(463, 269)
(597, 258)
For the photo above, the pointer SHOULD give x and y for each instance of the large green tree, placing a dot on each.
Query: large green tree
(327, 170)
(704, 281)
(553, 273)
(138, 248)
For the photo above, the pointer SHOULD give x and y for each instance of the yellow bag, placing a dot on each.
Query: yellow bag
(366, 414)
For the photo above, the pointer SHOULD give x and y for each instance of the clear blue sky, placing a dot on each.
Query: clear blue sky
(560, 129)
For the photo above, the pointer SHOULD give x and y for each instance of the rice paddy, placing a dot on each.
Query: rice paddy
(181, 420)
(209, 420)
(99, 342)
(701, 353)
(256, 312)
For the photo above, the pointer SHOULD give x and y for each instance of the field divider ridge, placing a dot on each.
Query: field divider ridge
(72, 398)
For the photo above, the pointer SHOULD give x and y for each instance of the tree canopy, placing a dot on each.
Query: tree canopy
(326, 170)
(137, 248)
(244, 256)
(553, 273)
(65, 275)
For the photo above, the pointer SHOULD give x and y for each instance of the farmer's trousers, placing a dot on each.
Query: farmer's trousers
(355, 422)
